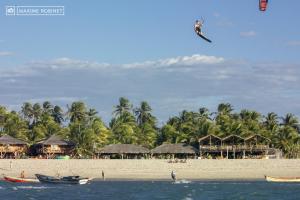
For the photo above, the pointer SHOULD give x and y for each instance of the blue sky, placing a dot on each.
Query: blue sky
(147, 50)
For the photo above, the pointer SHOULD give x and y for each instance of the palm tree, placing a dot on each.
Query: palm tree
(271, 119)
(124, 106)
(285, 138)
(143, 114)
(204, 113)
(271, 123)
(47, 107)
(3, 114)
(36, 112)
(27, 111)
(290, 120)
(92, 114)
(77, 112)
(225, 108)
(57, 114)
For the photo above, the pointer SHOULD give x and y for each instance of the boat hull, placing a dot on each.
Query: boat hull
(283, 179)
(20, 180)
(62, 180)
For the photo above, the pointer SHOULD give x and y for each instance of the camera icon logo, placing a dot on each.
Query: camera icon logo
(10, 10)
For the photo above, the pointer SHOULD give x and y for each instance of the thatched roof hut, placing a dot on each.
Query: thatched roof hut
(53, 146)
(210, 140)
(8, 140)
(123, 149)
(257, 140)
(11, 147)
(179, 148)
(233, 140)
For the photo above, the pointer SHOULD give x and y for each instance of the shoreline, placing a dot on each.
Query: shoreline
(154, 169)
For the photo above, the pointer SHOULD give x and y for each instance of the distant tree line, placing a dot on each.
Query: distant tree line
(137, 125)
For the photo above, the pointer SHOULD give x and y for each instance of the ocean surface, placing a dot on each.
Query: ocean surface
(181, 190)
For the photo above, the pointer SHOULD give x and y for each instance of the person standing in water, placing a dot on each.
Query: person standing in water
(173, 176)
(103, 176)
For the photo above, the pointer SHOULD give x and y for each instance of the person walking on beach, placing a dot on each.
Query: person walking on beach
(173, 176)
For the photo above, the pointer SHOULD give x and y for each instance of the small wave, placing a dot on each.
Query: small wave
(187, 198)
(32, 187)
(182, 181)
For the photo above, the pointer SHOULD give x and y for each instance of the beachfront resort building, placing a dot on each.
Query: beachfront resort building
(52, 147)
(233, 146)
(11, 147)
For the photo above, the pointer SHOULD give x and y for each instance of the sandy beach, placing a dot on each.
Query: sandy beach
(154, 169)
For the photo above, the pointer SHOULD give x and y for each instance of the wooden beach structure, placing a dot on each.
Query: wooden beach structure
(234, 146)
(11, 147)
(54, 146)
(210, 145)
(180, 150)
(123, 151)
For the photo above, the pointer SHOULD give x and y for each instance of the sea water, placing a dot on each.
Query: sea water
(149, 190)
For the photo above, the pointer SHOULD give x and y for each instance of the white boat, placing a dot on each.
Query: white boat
(283, 179)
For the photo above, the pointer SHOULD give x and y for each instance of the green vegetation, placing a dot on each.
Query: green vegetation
(137, 125)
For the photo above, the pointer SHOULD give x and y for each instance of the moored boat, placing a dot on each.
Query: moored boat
(62, 180)
(282, 179)
(20, 180)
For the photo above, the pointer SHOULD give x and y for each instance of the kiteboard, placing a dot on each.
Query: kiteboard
(203, 37)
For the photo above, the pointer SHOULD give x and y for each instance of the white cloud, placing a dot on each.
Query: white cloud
(68, 63)
(225, 23)
(18, 72)
(248, 33)
(6, 53)
(294, 43)
(177, 62)
(36, 68)
(216, 14)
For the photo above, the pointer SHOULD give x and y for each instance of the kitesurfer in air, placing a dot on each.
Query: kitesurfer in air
(198, 29)
(198, 25)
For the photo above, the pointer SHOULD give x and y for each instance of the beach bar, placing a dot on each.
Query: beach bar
(234, 146)
(123, 151)
(11, 147)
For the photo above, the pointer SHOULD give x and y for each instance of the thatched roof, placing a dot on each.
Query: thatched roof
(174, 149)
(55, 140)
(124, 149)
(7, 139)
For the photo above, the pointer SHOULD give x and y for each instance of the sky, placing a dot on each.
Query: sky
(147, 50)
